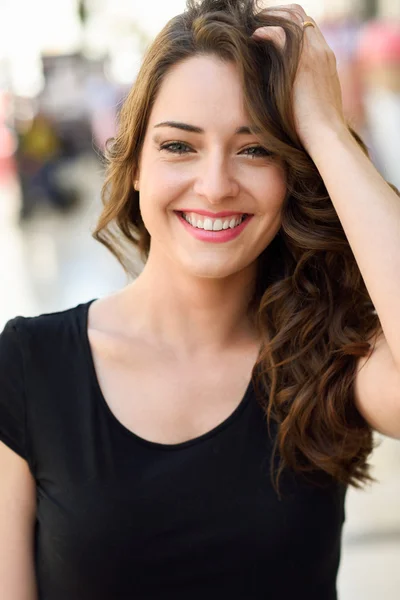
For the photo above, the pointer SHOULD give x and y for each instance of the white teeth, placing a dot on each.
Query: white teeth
(212, 224)
(217, 225)
(208, 225)
(232, 223)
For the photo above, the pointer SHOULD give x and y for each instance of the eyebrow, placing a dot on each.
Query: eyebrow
(244, 130)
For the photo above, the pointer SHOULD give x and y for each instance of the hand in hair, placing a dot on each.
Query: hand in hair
(317, 95)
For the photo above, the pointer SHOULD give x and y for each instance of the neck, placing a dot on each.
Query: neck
(192, 315)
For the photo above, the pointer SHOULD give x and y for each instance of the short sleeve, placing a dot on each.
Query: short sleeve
(12, 392)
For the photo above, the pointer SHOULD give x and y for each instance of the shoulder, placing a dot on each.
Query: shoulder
(30, 338)
(39, 357)
(45, 323)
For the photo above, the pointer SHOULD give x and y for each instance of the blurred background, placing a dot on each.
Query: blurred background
(65, 68)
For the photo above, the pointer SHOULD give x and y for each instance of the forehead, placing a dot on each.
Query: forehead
(203, 91)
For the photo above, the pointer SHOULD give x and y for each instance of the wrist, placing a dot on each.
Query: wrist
(325, 136)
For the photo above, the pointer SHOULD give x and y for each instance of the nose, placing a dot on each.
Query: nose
(216, 182)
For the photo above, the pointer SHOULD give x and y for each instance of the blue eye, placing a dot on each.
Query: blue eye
(175, 147)
(263, 152)
(182, 148)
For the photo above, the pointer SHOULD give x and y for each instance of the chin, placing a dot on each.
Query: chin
(212, 269)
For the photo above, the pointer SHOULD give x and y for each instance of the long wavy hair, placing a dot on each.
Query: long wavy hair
(311, 304)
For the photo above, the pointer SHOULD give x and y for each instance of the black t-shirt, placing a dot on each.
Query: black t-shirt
(122, 517)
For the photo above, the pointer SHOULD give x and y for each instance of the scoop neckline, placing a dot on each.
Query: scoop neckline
(128, 432)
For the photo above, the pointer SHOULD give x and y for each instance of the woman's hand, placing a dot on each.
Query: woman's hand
(317, 95)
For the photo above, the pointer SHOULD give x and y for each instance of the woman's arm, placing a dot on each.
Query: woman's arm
(369, 211)
(17, 524)
(368, 208)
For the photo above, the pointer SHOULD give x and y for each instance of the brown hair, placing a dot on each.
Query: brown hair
(311, 304)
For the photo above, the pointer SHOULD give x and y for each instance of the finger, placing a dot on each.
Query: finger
(308, 19)
(275, 34)
(313, 33)
(295, 11)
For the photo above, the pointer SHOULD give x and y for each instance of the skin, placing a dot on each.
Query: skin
(202, 288)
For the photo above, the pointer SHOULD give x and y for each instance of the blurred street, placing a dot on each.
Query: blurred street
(51, 260)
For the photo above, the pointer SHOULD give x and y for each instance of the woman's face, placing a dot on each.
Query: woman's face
(208, 173)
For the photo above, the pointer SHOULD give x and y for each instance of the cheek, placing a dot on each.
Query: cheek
(272, 192)
(155, 202)
(163, 187)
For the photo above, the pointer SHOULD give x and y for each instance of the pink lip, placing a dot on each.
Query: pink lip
(225, 235)
(206, 213)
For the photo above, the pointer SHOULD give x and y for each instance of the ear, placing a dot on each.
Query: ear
(135, 179)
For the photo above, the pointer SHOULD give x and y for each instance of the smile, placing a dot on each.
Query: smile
(215, 230)
(217, 224)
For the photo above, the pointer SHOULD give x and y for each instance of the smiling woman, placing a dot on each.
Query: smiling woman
(194, 434)
(228, 97)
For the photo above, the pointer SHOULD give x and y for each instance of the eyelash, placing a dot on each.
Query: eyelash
(168, 147)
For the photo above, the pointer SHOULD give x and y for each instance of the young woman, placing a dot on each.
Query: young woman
(195, 433)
